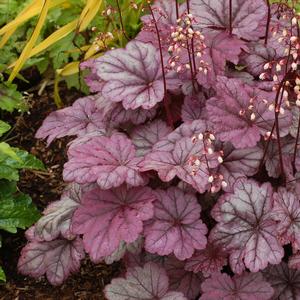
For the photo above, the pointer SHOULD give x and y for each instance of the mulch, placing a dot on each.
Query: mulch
(45, 187)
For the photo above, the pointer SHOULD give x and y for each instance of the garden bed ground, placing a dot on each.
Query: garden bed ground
(45, 187)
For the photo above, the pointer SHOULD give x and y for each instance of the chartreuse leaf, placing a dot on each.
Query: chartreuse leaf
(16, 209)
(2, 275)
(4, 127)
(27, 14)
(88, 13)
(27, 49)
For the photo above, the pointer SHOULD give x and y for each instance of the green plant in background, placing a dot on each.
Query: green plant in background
(16, 208)
(56, 35)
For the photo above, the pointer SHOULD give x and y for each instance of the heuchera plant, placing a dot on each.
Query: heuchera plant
(185, 162)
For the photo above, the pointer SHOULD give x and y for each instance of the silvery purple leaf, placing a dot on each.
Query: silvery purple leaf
(248, 286)
(133, 76)
(57, 259)
(176, 226)
(248, 17)
(285, 281)
(245, 225)
(108, 217)
(80, 118)
(145, 136)
(109, 161)
(148, 283)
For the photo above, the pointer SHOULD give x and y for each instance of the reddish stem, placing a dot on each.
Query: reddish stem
(177, 9)
(230, 16)
(268, 22)
(121, 21)
(296, 145)
(166, 100)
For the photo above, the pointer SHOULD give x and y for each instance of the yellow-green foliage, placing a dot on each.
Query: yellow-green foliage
(64, 32)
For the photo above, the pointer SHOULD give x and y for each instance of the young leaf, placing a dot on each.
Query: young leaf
(57, 259)
(109, 161)
(181, 280)
(105, 218)
(285, 281)
(78, 119)
(193, 107)
(208, 261)
(248, 286)
(144, 137)
(133, 75)
(176, 226)
(248, 17)
(245, 226)
(148, 283)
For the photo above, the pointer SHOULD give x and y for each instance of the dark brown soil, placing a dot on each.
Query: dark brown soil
(45, 187)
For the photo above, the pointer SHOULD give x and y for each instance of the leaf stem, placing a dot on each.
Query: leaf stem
(230, 17)
(121, 21)
(166, 100)
(268, 22)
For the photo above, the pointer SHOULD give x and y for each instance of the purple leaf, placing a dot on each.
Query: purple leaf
(80, 118)
(193, 107)
(133, 248)
(119, 115)
(107, 217)
(176, 226)
(240, 113)
(272, 158)
(221, 47)
(238, 163)
(295, 122)
(57, 259)
(92, 79)
(144, 137)
(181, 280)
(173, 155)
(208, 261)
(133, 75)
(248, 17)
(57, 216)
(294, 261)
(259, 55)
(107, 161)
(248, 286)
(148, 283)
(285, 281)
(286, 212)
(245, 225)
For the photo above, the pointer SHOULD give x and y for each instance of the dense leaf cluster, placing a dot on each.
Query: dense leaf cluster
(185, 161)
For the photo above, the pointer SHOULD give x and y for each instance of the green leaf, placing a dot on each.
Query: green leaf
(28, 161)
(4, 127)
(10, 98)
(7, 150)
(17, 211)
(2, 275)
(14, 159)
(8, 173)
